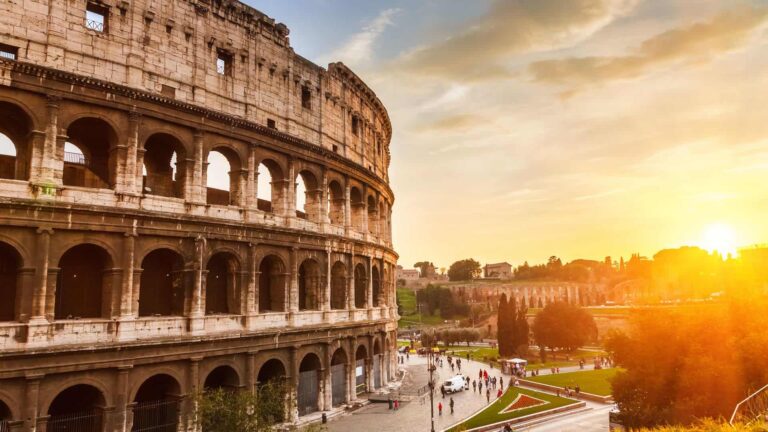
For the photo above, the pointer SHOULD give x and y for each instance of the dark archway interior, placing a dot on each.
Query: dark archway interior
(157, 405)
(78, 408)
(361, 283)
(376, 282)
(270, 371)
(338, 286)
(158, 387)
(336, 203)
(16, 126)
(82, 280)
(223, 377)
(5, 412)
(94, 169)
(358, 208)
(376, 347)
(373, 222)
(162, 152)
(361, 353)
(161, 289)
(309, 285)
(309, 362)
(339, 357)
(220, 284)
(10, 263)
(271, 284)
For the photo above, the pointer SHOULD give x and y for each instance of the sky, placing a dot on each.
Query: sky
(576, 128)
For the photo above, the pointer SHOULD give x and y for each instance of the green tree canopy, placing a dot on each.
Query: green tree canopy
(563, 326)
(466, 269)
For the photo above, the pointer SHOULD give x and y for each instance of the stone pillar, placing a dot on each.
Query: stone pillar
(347, 206)
(195, 189)
(122, 393)
(364, 211)
(194, 388)
(129, 174)
(39, 296)
(327, 400)
(351, 371)
(251, 295)
(250, 371)
(293, 402)
(251, 181)
(290, 208)
(197, 309)
(31, 400)
(369, 289)
(369, 382)
(324, 206)
(326, 302)
(351, 285)
(293, 283)
(46, 168)
(127, 310)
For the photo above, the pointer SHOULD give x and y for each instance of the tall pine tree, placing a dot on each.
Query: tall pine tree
(502, 325)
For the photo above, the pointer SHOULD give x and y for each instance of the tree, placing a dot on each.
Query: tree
(563, 326)
(463, 270)
(426, 268)
(223, 410)
(428, 338)
(502, 327)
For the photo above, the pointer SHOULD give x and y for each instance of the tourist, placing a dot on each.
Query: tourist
(501, 382)
(480, 386)
(499, 393)
(442, 390)
(474, 386)
(440, 408)
(578, 389)
(451, 404)
(488, 395)
(397, 404)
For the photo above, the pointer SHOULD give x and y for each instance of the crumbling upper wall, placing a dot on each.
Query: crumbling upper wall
(171, 47)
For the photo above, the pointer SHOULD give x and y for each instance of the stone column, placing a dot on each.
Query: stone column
(195, 189)
(193, 375)
(326, 305)
(364, 211)
(39, 296)
(122, 393)
(347, 206)
(197, 311)
(293, 283)
(46, 167)
(351, 285)
(327, 400)
(250, 371)
(129, 174)
(290, 204)
(369, 382)
(127, 310)
(351, 371)
(251, 182)
(31, 400)
(293, 402)
(369, 293)
(251, 295)
(324, 205)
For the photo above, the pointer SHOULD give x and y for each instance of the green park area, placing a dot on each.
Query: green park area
(514, 403)
(596, 382)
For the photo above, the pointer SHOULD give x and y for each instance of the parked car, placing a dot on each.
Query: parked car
(455, 384)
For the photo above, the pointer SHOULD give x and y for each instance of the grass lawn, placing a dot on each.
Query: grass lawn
(417, 319)
(407, 299)
(492, 414)
(591, 381)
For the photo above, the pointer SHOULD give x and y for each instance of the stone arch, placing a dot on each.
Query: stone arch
(84, 282)
(339, 285)
(383, 220)
(357, 206)
(361, 358)
(270, 190)
(161, 286)
(16, 126)
(78, 407)
(165, 160)
(10, 283)
(89, 159)
(222, 283)
(373, 215)
(336, 203)
(310, 284)
(272, 284)
(224, 193)
(309, 384)
(361, 286)
(339, 378)
(376, 286)
(308, 206)
(272, 376)
(157, 404)
(222, 377)
(272, 369)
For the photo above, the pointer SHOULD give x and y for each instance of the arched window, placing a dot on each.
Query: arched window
(307, 196)
(221, 284)
(376, 281)
(87, 153)
(223, 177)
(82, 282)
(15, 137)
(358, 208)
(164, 166)
(269, 190)
(339, 377)
(157, 405)
(161, 290)
(309, 285)
(373, 215)
(361, 284)
(223, 377)
(309, 384)
(78, 408)
(339, 286)
(10, 263)
(272, 285)
(336, 203)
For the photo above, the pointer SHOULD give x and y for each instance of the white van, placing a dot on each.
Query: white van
(455, 384)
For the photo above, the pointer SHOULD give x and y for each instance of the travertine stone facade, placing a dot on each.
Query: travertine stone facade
(127, 283)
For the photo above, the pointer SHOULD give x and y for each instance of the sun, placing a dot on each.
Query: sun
(719, 237)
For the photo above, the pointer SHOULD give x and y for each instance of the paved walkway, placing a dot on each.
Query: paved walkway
(415, 415)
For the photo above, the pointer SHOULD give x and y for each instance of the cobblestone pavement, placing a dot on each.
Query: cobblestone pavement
(414, 416)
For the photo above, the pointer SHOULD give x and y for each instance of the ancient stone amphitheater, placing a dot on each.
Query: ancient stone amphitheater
(131, 276)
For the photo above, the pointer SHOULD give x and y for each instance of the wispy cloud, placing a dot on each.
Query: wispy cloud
(358, 49)
(483, 50)
(695, 43)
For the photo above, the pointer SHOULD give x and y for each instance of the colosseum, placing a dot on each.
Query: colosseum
(131, 276)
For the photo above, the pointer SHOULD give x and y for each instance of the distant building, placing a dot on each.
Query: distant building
(498, 271)
(407, 274)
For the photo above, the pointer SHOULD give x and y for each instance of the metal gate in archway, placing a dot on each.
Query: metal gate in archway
(156, 416)
(308, 392)
(377, 371)
(360, 376)
(338, 384)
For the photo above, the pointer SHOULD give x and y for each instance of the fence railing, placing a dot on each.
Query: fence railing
(156, 416)
(75, 158)
(78, 422)
(94, 25)
(4, 426)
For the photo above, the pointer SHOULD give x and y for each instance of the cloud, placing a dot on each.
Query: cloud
(696, 43)
(455, 123)
(483, 50)
(358, 49)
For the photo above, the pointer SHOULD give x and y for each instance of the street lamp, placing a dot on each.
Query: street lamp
(431, 368)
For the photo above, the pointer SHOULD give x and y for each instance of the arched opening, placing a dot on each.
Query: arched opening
(361, 285)
(338, 286)
(223, 377)
(373, 215)
(336, 203)
(360, 370)
(309, 285)
(83, 280)
(223, 177)
(78, 408)
(272, 390)
(338, 377)
(164, 166)
(358, 208)
(15, 129)
(88, 157)
(378, 360)
(221, 284)
(161, 289)
(383, 221)
(307, 196)
(10, 264)
(309, 384)
(272, 284)
(376, 283)
(157, 405)
(269, 188)
(5, 417)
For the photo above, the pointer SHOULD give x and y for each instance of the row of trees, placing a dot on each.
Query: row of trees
(512, 327)
(683, 364)
(436, 298)
(451, 336)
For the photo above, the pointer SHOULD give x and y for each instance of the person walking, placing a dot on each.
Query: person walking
(396, 404)
(442, 391)
(499, 393)
(488, 395)
(451, 404)
(474, 386)
(480, 386)
(439, 408)
(501, 383)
